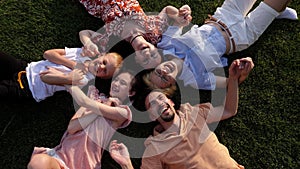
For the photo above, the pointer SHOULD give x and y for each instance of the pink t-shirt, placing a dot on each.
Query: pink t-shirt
(83, 149)
(194, 147)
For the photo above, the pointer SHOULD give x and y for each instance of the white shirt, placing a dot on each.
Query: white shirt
(41, 90)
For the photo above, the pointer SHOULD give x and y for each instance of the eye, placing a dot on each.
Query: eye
(161, 97)
(104, 62)
(123, 82)
(145, 61)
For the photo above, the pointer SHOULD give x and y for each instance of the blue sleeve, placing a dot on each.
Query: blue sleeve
(168, 35)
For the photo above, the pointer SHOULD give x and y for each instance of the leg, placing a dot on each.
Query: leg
(43, 161)
(278, 5)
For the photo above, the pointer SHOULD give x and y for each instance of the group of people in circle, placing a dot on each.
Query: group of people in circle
(145, 78)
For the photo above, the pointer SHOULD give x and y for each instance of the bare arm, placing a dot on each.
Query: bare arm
(81, 120)
(89, 48)
(54, 76)
(230, 106)
(113, 113)
(58, 56)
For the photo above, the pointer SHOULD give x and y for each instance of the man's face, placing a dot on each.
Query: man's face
(159, 106)
(147, 55)
(164, 75)
(104, 66)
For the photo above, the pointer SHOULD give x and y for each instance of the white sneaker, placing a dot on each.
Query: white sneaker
(288, 13)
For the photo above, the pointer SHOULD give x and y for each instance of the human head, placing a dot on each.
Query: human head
(121, 86)
(159, 106)
(142, 87)
(164, 75)
(105, 66)
(146, 54)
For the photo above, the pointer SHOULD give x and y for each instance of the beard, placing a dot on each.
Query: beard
(167, 118)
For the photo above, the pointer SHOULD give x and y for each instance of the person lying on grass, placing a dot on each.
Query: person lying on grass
(90, 129)
(38, 80)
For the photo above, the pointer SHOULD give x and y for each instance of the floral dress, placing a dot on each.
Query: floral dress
(116, 12)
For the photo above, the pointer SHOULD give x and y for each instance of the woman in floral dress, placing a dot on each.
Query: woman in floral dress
(127, 20)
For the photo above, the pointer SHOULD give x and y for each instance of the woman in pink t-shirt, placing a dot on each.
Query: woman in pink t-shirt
(90, 129)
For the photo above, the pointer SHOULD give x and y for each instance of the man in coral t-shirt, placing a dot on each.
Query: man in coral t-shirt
(182, 139)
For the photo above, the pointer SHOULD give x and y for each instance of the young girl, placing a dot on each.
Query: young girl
(41, 79)
(90, 129)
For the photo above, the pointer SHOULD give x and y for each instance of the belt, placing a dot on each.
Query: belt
(225, 28)
(20, 78)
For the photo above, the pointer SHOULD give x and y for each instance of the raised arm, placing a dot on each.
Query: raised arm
(116, 114)
(89, 48)
(58, 56)
(182, 16)
(230, 106)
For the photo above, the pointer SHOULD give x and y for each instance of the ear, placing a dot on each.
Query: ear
(131, 93)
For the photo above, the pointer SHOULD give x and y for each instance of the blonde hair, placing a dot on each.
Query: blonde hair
(118, 58)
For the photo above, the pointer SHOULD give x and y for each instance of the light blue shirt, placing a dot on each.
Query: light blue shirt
(201, 48)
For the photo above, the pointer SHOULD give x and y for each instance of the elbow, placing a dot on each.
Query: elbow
(47, 54)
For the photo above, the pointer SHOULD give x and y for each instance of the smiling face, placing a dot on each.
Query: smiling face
(121, 85)
(164, 75)
(104, 66)
(159, 106)
(147, 55)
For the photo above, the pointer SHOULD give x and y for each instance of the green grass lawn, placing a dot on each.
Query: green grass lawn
(264, 134)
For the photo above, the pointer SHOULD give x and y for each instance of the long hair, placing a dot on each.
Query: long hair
(142, 87)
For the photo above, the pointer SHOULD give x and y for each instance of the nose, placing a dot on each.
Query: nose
(161, 72)
(101, 67)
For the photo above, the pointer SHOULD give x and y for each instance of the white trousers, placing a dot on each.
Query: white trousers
(245, 27)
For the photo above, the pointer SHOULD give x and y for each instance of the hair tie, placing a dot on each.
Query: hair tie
(135, 38)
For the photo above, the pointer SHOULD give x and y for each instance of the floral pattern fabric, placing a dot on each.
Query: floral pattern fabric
(116, 12)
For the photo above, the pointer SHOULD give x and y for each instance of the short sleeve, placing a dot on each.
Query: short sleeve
(151, 163)
(129, 116)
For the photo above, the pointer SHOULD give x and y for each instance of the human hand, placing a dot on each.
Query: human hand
(112, 101)
(81, 67)
(119, 152)
(76, 75)
(51, 71)
(248, 65)
(240, 68)
(184, 16)
(90, 49)
(93, 93)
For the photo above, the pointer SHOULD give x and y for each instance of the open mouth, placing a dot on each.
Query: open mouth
(114, 89)
(165, 108)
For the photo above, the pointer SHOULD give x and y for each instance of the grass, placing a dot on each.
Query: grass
(264, 134)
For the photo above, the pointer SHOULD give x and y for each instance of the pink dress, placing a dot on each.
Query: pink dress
(83, 149)
(115, 13)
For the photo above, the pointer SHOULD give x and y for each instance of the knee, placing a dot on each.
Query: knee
(38, 161)
(278, 5)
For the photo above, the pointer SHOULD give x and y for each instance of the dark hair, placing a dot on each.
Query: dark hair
(142, 90)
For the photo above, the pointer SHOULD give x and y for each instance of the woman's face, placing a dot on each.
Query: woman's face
(147, 55)
(121, 85)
